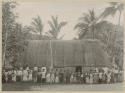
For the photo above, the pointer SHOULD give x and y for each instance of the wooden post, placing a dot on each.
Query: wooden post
(51, 54)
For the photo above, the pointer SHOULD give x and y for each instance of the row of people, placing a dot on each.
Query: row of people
(59, 76)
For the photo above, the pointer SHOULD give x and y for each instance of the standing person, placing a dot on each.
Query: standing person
(19, 74)
(3, 76)
(43, 76)
(82, 77)
(75, 78)
(35, 71)
(64, 78)
(52, 78)
(108, 77)
(87, 78)
(100, 77)
(14, 74)
(10, 76)
(95, 78)
(71, 77)
(56, 76)
(25, 75)
(39, 75)
(67, 76)
(91, 78)
(104, 77)
(61, 76)
(30, 75)
(6, 75)
(17, 77)
(48, 77)
(115, 75)
(79, 77)
(112, 77)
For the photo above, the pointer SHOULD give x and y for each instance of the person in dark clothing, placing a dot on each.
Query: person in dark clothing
(67, 76)
(3, 77)
(9, 76)
(39, 76)
(79, 76)
(61, 76)
(43, 76)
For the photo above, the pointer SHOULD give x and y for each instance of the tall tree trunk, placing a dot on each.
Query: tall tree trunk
(4, 51)
(119, 18)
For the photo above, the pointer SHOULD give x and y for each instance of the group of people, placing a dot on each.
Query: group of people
(56, 76)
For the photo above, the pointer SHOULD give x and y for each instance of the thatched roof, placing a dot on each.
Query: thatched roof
(65, 53)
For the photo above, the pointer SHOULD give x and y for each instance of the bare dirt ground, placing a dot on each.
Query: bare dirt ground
(61, 87)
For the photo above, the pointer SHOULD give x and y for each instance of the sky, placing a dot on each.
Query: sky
(68, 11)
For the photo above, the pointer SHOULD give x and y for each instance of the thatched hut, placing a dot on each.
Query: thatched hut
(65, 53)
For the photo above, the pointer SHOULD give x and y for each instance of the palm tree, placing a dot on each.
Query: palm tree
(55, 27)
(37, 25)
(112, 10)
(86, 23)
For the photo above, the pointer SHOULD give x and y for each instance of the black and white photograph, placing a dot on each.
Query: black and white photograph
(62, 45)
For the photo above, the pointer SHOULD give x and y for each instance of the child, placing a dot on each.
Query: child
(52, 78)
(25, 75)
(57, 79)
(71, 78)
(48, 78)
(30, 75)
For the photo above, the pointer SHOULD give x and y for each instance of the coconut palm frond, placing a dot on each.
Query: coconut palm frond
(81, 25)
(85, 19)
(61, 25)
(55, 26)
(37, 24)
(112, 9)
(55, 21)
(108, 11)
(83, 32)
(52, 26)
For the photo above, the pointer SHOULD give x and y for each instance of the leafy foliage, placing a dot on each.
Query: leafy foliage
(37, 25)
(12, 36)
(112, 10)
(55, 27)
(85, 25)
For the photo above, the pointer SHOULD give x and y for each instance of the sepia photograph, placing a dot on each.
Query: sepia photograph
(62, 45)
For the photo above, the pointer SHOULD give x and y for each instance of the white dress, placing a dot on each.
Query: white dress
(108, 77)
(48, 78)
(6, 76)
(56, 79)
(52, 78)
(25, 75)
(30, 76)
(14, 76)
(87, 79)
(91, 79)
(71, 78)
